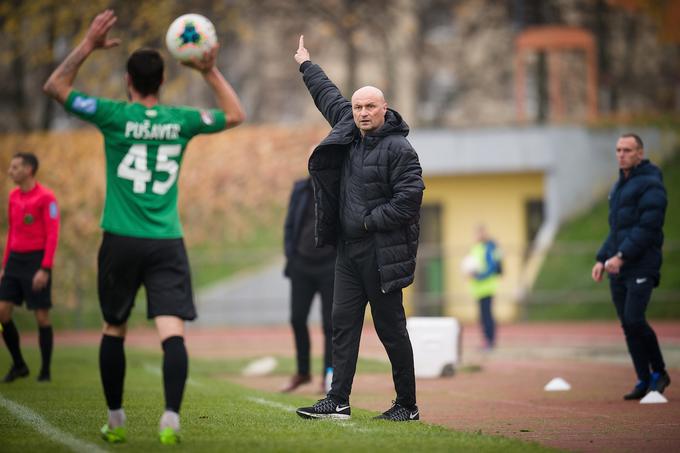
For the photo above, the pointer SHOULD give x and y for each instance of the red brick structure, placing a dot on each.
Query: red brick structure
(553, 40)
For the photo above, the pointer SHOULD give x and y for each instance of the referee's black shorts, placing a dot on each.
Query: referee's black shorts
(17, 282)
(161, 265)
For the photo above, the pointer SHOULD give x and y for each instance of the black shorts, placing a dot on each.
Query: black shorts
(17, 282)
(161, 265)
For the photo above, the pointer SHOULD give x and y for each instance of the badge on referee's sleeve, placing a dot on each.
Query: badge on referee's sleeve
(54, 211)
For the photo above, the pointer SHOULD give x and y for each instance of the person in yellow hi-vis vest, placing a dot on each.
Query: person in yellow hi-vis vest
(485, 267)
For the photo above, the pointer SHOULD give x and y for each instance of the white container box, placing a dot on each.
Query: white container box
(436, 345)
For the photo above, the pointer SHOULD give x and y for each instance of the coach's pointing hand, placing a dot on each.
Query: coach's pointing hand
(302, 54)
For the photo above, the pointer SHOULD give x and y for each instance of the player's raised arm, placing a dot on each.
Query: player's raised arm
(60, 83)
(227, 99)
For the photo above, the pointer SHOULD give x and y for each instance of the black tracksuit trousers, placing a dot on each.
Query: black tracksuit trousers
(357, 282)
(306, 280)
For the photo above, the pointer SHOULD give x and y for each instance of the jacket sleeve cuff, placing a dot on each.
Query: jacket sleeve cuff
(629, 250)
(602, 254)
(305, 65)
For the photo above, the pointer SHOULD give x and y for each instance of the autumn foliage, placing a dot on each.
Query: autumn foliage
(231, 185)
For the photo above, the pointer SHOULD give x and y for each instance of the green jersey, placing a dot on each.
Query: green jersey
(144, 148)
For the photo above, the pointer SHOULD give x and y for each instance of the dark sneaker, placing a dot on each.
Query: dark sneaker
(659, 382)
(15, 373)
(44, 377)
(399, 413)
(326, 408)
(296, 381)
(638, 392)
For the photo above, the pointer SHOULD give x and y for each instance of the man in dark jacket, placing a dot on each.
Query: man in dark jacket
(311, 271)
(368, 188)
(631, 255)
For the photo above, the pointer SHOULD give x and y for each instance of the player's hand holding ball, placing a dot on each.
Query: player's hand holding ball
(206, 62)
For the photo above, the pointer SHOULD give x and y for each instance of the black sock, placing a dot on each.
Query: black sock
(112, 370)
(45, 339)
(11, 336)
(175, 371)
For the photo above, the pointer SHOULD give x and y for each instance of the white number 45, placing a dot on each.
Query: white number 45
(133, 167)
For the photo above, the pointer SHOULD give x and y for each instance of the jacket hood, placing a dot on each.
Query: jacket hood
(394, 125)
(646, 168)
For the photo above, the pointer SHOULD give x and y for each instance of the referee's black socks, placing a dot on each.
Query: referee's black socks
(46, 340)
(112, 369)
(175, 371)
(11, 336)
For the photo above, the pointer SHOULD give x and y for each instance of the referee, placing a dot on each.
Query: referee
(32, 234)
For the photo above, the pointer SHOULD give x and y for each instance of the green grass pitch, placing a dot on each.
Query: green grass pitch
(217, 415)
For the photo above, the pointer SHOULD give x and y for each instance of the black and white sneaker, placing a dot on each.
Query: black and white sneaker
(399, 413)
(326, 408)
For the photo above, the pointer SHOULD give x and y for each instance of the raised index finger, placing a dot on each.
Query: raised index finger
(302, 42)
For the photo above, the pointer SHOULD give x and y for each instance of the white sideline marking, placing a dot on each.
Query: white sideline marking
(41, 425)
(288, 408)
(156, 370)
(274, 404)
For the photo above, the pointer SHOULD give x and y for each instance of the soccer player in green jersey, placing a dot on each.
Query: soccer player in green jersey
(144, 144)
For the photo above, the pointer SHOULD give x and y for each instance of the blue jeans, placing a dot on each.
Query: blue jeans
(486, 320)
(631, 296)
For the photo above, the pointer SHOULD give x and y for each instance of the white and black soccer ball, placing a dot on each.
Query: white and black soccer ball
(190, 36)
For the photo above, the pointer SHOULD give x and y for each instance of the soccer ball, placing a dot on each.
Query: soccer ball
(470, 265)
(190, 36)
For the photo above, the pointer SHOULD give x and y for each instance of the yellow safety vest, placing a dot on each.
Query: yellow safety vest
(486, 286)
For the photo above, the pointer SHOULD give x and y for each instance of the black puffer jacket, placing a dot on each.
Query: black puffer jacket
(392, 180)
(637, 207)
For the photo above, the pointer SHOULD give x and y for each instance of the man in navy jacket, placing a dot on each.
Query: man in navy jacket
(631, 255)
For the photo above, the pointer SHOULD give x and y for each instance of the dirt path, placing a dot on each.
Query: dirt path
(506, 396)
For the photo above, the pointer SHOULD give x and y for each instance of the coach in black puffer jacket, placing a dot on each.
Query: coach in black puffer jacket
(385, 191)
(631, 255)
(368, 188)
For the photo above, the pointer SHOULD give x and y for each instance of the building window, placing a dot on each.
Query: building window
(534, 214)
(429, 281)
